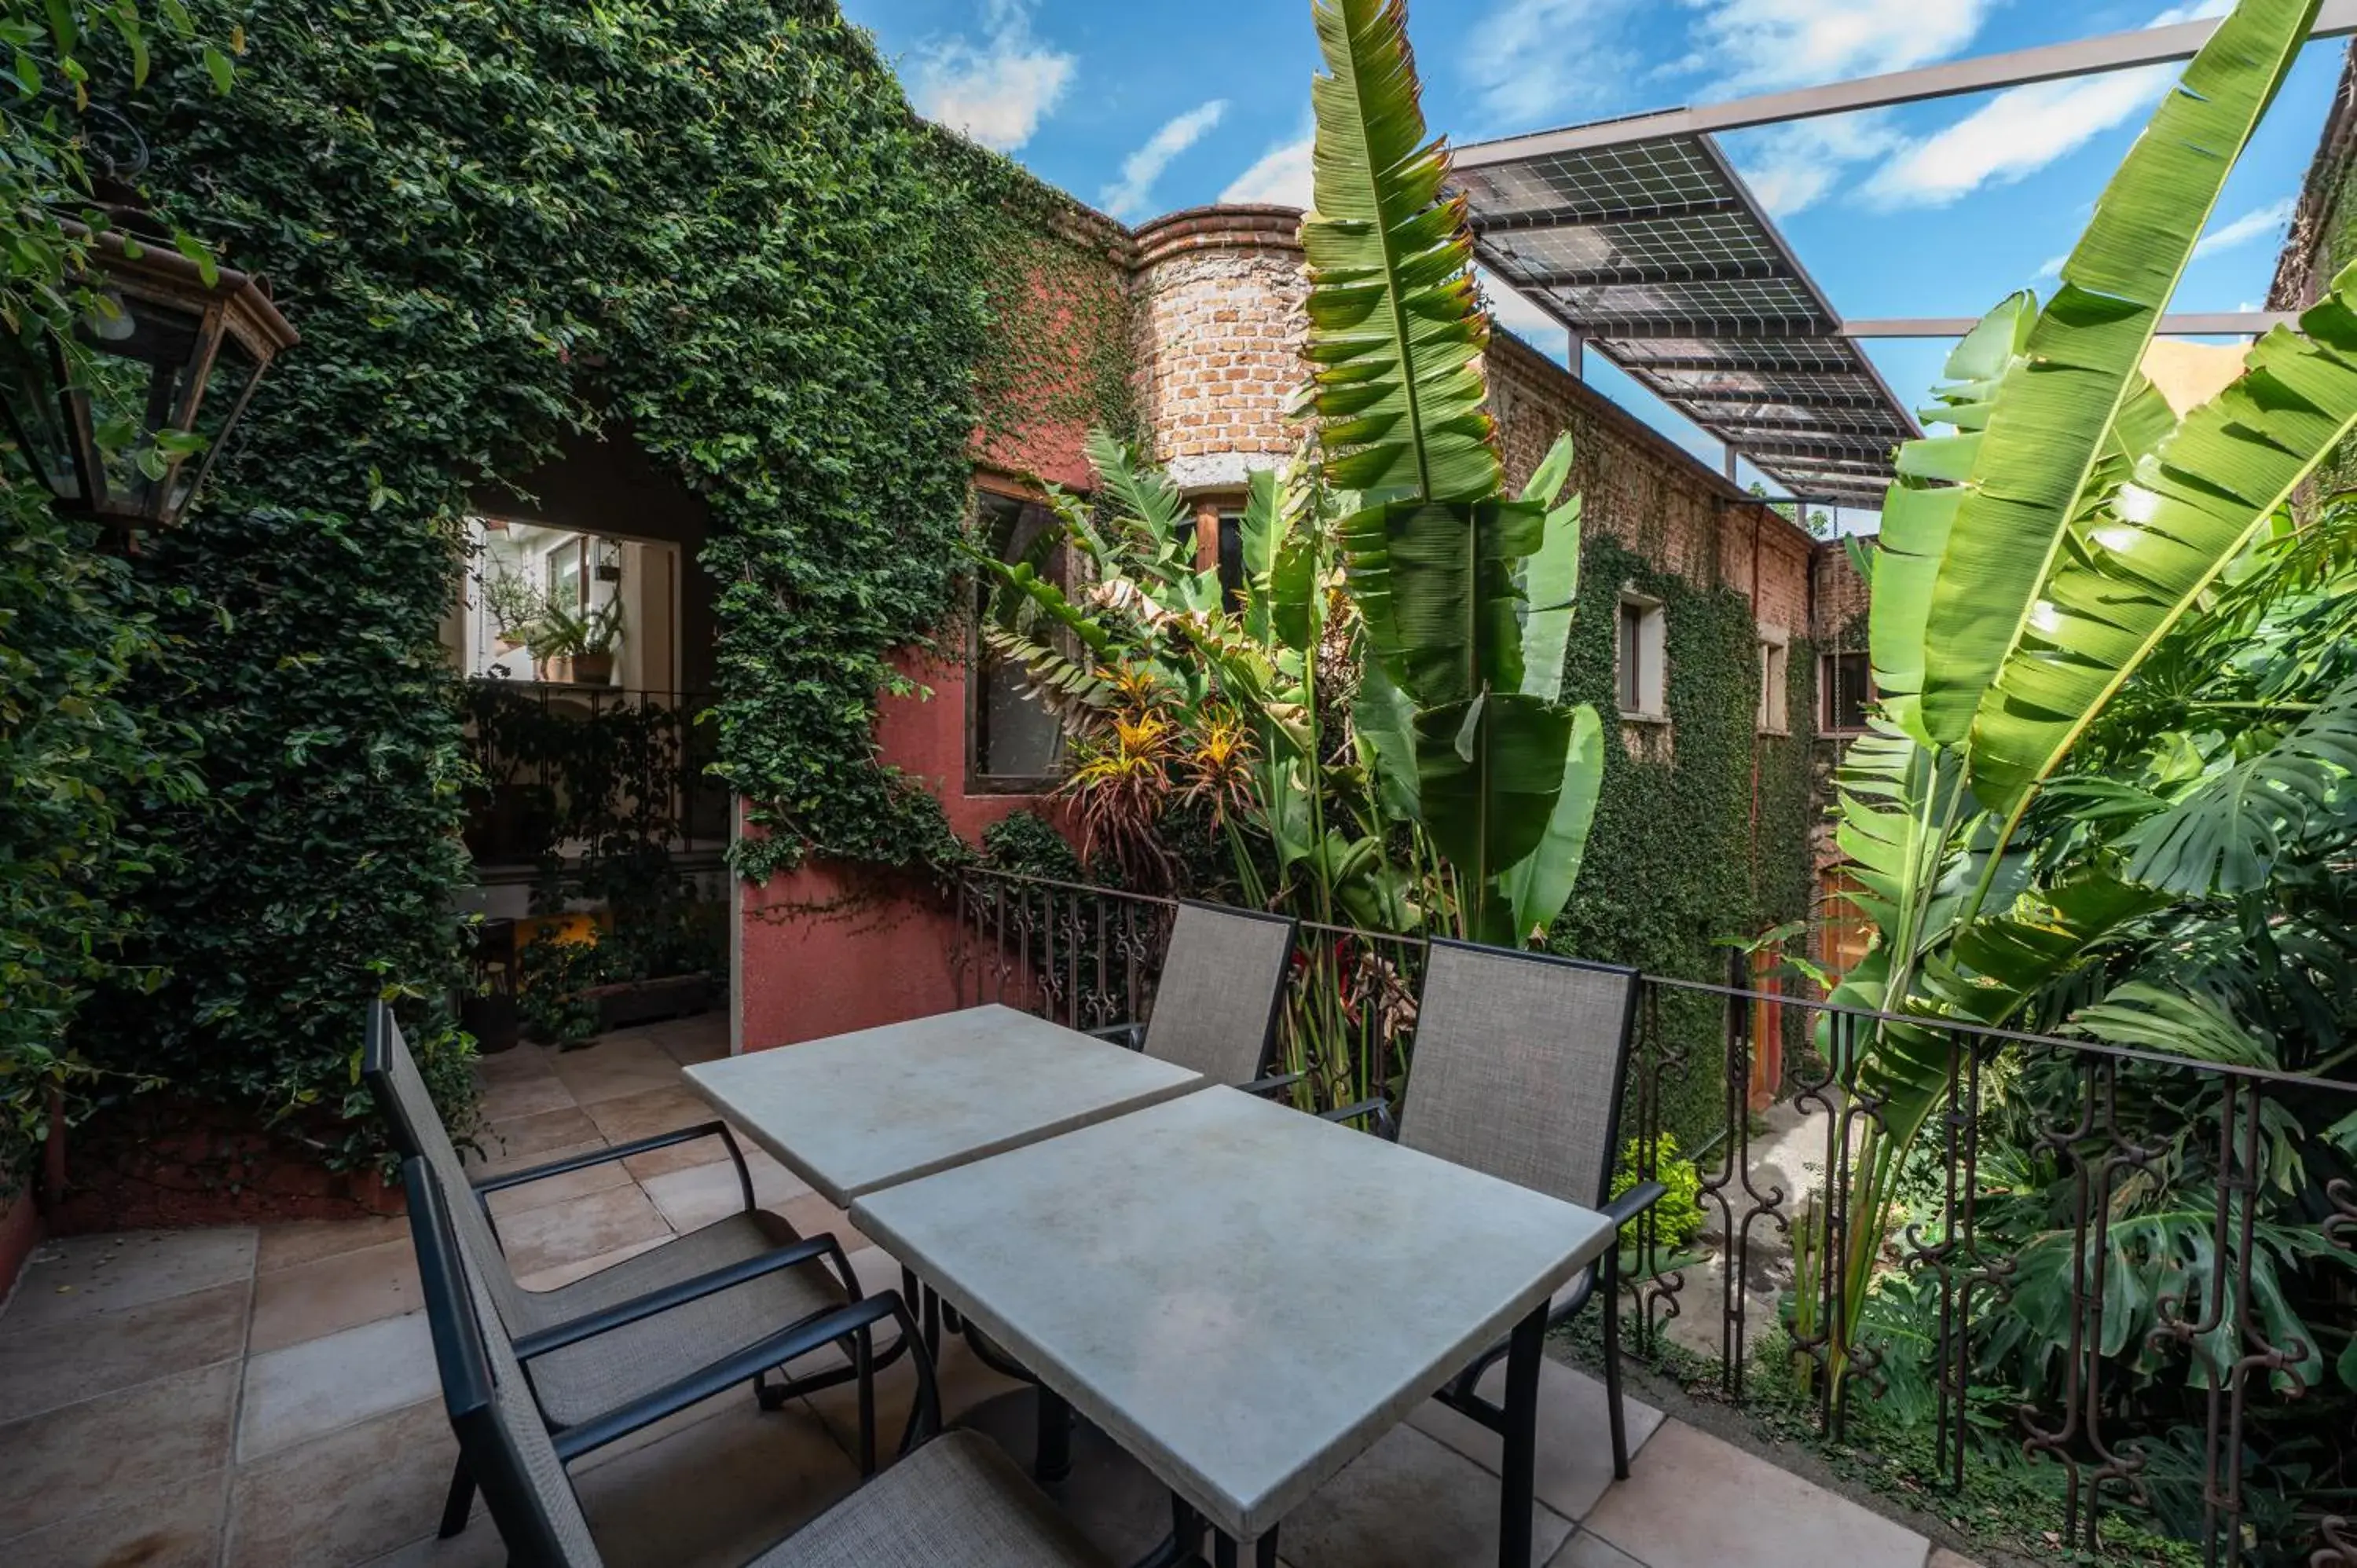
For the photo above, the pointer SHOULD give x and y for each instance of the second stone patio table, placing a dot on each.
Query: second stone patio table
(1242, 1296)
(855, 1112)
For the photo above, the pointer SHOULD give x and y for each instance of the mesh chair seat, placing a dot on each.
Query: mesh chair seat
(580, 1383)
(957, 1500)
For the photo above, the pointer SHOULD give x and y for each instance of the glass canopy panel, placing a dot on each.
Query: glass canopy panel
(1657, 253)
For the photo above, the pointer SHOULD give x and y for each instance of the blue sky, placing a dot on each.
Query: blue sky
(1145, 106)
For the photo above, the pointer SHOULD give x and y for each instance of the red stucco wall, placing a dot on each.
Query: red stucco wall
(20, 1232)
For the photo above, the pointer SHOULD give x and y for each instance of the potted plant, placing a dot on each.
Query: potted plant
(583, 641)
(514, 606)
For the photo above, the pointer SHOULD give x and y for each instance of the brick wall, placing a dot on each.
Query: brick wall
(1217, 300)
(1841, 600)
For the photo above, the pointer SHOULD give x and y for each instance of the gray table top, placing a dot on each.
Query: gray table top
(855, 1112)
(1243, 1296)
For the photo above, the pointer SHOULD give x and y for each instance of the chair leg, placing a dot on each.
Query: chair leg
(863, 1359)
(1611, 1287)
(460, 1503)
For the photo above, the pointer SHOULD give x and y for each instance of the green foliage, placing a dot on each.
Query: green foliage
(1677, 1213)
(712, 221)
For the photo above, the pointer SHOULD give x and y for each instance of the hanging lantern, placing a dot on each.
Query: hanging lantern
(127, 435)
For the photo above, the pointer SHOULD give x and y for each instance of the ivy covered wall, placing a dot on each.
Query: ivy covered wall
(715, 220)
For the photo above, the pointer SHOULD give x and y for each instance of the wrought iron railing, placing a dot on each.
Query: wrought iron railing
(2127, 1276)
(565, 769)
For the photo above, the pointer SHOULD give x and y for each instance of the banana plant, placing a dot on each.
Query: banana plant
(2033, 556)
(1462, 594)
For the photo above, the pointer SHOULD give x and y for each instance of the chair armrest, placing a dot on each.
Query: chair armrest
(787, 1345)
(1378, 1108)
(1270, 1085)
(1633, 1202)
(1130, 1035)
(603, 1156)
(622, 1314)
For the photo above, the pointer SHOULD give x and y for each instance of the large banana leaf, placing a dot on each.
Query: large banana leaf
(1395, 333)
(1150, 512)
(1262, 533)
(2227, 833)
(1490, 772)
(1436, 588)
(2057, 405)
(1537, 890)
(1550, 577)
(1920, 507)
(2211, 487)
(1385, 721)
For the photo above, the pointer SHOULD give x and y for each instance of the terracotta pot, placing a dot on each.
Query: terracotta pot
(592, 670)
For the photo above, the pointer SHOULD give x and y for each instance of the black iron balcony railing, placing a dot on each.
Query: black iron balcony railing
(566, 769)
(2111, 1283)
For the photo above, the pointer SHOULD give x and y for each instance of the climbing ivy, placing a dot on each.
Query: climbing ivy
(1674, 862)
(712, 223)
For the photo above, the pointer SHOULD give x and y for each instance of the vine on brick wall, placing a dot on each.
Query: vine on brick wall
(1670, 867)
(713, 219)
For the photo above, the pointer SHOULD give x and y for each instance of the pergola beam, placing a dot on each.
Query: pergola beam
(1988, 73)
(1652, 276)
(1732, 428)
(1555, 218)
(2182, 324)
(1866, 451)
(1785, 399)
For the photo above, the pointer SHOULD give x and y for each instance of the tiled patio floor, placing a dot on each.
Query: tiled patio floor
(267, 1397)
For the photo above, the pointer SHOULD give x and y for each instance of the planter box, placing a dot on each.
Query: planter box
(20, 1232)
(631, 1002)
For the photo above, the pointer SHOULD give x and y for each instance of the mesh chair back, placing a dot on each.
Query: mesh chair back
(392, 1075)
(1520, 1062)
(500, 1436)
(1222, 981)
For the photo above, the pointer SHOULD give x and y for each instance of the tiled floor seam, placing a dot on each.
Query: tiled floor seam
(225, 1526)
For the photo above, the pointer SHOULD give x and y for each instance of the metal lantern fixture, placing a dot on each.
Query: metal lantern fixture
(166, 372)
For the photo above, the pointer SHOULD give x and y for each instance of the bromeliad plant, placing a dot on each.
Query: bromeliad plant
(2034, 558)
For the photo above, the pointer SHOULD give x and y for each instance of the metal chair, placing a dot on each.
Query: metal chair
(614, 1338)
(1521, 1063)
(1221, 990)
(955, 1499)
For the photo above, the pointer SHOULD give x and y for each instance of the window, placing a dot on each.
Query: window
(1774, 677)
(1231, 559)
(565, 577)
(1013, 739)
(1642, 665)
(1849, 688)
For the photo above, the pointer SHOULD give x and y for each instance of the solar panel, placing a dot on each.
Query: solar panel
(1662, 259)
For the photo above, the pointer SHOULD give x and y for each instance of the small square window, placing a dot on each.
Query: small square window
(1774, 676)
(1643, 659)
(1848, 683)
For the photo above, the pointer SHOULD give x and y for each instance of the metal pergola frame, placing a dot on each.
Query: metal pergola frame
(1637, 232)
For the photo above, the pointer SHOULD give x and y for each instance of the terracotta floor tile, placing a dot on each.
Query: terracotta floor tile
(642, 1115)
(82, 1274)
(565, 1274)
(177, 1526)
(695, 1197)
(812, 1215)
(615, 1067)
(542, 1239)
(1410, 1501)
(333, 1293)
(305, 1391)
(716, 1493)
(525, 1095)
(559, 1188)
(479, 1546)
(1760, 1516)
(44, 1367)
(1586, 1551)
(695, 1040)
(1574, 1443)
(530, 1140)
(64, 1464)
(307, 1241)
(387, 1476)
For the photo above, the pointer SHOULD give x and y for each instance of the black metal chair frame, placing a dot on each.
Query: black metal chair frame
(857, 1345)
(1133, 1034)
(1460, 1393)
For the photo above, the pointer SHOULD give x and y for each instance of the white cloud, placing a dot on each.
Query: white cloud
(1532, 61)
(2250, 226)
(2052, 267)
(1520, 317)
(997, 91)
(1282, 177)
(1790, 168)
(2023, 129)
(1128, 197)
(1758, 45)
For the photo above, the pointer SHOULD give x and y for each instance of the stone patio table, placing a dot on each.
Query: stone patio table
(855, 1112)
(1243, 1296)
